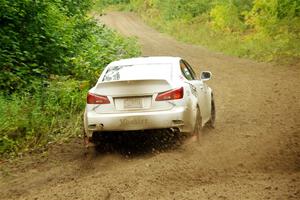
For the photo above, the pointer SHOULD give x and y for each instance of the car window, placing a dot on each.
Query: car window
(190, 70)
(139, 72)
(185, 71)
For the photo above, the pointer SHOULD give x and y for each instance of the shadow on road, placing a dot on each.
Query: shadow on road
(135, 143)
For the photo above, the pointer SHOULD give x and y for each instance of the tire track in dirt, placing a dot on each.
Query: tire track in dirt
(254, 152)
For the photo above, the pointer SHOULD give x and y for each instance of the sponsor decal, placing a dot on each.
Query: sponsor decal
(128, 122)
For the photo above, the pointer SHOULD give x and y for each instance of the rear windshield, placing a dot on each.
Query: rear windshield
(138, 72)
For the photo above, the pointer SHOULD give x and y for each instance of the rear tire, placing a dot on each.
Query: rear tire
(211, 122)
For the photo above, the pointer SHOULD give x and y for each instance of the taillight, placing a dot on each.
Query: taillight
(96, 99)
(170, 95)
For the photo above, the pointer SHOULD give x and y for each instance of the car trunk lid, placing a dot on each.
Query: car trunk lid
(132, 95)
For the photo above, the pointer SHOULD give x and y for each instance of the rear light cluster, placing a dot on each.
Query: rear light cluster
(170, 95)
(96, 99)
(163, 96)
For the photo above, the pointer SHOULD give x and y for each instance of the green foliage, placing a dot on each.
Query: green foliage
(182, 8)
(39, 38)
(266, 30)
(268, 15)
(50, 53)
(171, 9)
(74, 7)
(29, 44)
(53, 111)
(226, 17)
(100, 5)
(278, 23)
(98, 48)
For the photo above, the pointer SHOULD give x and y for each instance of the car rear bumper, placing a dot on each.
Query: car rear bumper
(174, 118)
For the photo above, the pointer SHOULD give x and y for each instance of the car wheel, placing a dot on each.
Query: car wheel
(211, 122)
(198, 125)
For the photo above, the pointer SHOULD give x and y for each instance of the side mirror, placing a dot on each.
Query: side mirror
(206, 75)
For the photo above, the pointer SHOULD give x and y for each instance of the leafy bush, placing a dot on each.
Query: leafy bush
(278, 23)
(226, 17)
(97, 47)
(35, 36)
(100, 5)
(39, 38)
(50, 53)
(54, 110)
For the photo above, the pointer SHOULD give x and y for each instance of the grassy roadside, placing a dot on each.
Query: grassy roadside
(50, 112)
(231, 43)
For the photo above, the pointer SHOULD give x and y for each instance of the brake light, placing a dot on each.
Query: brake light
(170, 95)
(96, 99)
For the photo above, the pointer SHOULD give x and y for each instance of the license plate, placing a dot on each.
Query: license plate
(133, 103)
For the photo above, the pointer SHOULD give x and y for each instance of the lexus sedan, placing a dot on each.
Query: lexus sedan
(149, 93)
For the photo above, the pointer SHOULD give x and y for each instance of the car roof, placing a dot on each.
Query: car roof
(146, 60)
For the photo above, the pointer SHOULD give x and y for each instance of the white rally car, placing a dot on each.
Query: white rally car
(149, 93)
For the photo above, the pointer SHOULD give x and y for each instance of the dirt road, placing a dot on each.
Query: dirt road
(254, 152)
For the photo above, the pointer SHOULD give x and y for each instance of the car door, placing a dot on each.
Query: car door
(199, 87)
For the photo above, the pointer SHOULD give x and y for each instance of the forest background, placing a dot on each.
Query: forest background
(52, 51)
(264, 30)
